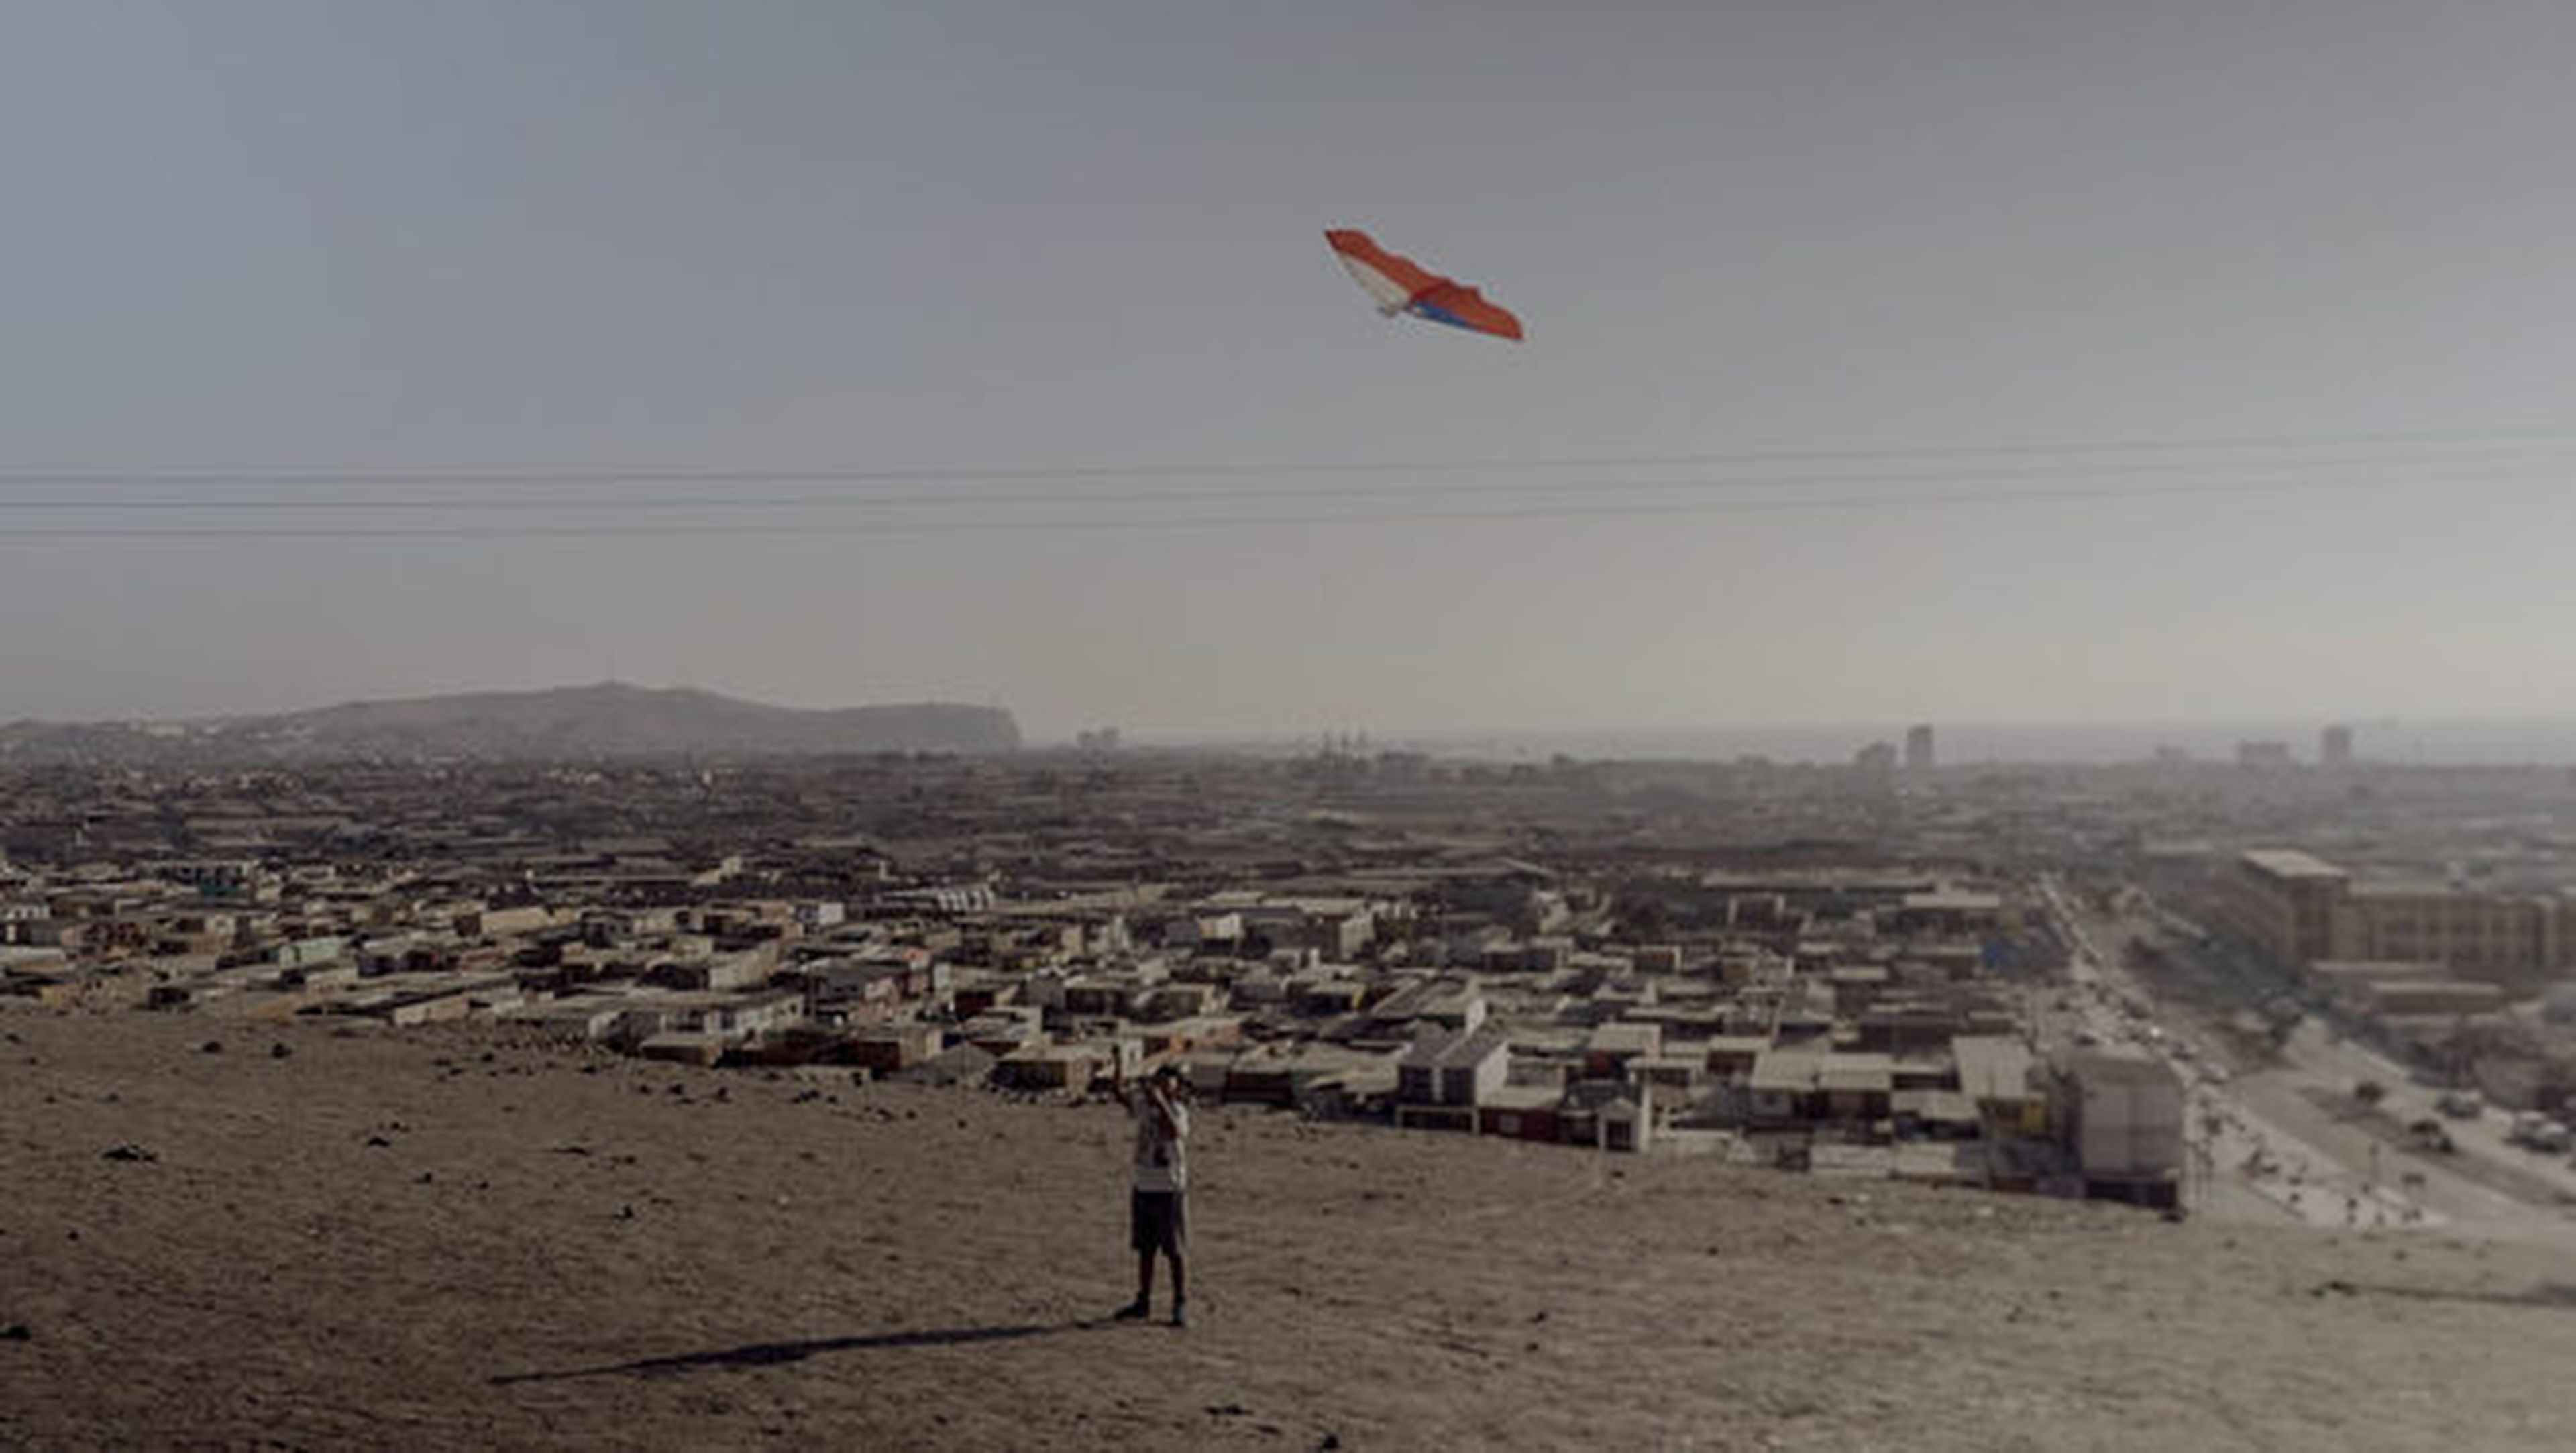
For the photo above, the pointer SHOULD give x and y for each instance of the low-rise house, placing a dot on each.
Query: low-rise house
(1856, 1085)
(319, 977)
(1610, 1048)
(1994, 1074)
(1339, 927)
(1675, 1077)
(1178, 1001)
(1050, 1067)
(685, 1046)
(507, 922)
(1856, 986)
(1454, 1070)
(862, 990)
(56, 982)
(999, 1031)
(717, 972)
(1949, 911)
(1783, 1085)
(588, 1017)
(406, 1009)
(605, 926)
(1102, 995)
(983, 992)
(1443, 1003)
(1926, 1068)
(1203, 932)
(1934, 1114)
(1296, 1075)
(196, 932)
(886, 1048)
(1627, 1122)
(1731, 1056)
(192, 993)
(26, 960)
(1522, 1112)
(750, 1015)
(1608, 1115)
(1326, 997)
(1184, 1036)
(2123, 1115)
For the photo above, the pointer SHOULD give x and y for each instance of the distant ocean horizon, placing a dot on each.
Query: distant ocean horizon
(2426, 741)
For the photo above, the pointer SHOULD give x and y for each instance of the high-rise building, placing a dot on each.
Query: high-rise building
(1918, 749)
(2334, 747)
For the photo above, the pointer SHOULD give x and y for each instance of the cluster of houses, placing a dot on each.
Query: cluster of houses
(1809, 1016)
(1749, 953)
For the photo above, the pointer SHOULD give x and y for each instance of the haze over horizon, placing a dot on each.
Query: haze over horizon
(2073, 363)
(614, 708)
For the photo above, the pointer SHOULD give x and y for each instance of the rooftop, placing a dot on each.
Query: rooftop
(2290, 863)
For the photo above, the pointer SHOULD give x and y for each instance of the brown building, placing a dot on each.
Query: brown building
(2303, 911)
(2285, 901)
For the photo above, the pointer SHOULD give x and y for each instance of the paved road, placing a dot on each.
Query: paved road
(2286, 1141)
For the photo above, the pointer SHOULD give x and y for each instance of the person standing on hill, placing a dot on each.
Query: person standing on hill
(1156, 1207)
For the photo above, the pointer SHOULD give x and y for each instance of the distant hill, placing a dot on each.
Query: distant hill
(608, 720)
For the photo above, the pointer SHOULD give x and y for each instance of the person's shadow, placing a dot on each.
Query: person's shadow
(772, 1354)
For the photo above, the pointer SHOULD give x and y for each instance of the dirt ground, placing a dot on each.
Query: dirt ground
(450, 1238)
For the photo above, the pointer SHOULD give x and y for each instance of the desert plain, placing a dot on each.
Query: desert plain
(306, 1235)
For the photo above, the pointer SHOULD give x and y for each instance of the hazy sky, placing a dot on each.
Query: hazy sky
(1819, 251)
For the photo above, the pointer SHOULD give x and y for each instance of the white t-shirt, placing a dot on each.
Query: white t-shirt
(1162, 1159)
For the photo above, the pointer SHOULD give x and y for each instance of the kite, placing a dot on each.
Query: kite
(1400, 286)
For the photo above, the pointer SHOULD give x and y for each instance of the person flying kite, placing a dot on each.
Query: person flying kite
(1401, 286)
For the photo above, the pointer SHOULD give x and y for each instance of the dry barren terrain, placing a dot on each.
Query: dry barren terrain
(236, 1233)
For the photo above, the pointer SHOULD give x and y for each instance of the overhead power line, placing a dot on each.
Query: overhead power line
(2286, 473)
(1565, 510)
(1091, 498)
(2451, 441)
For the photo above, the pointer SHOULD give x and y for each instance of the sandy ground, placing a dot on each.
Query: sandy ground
(448, 1238)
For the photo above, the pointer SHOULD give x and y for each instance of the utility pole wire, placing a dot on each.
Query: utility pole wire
(2468, 440)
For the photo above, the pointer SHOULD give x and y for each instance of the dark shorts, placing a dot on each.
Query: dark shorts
(1157, 1221)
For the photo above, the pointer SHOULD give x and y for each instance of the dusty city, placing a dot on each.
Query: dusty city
(1366, 724)
(1860, 1103)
